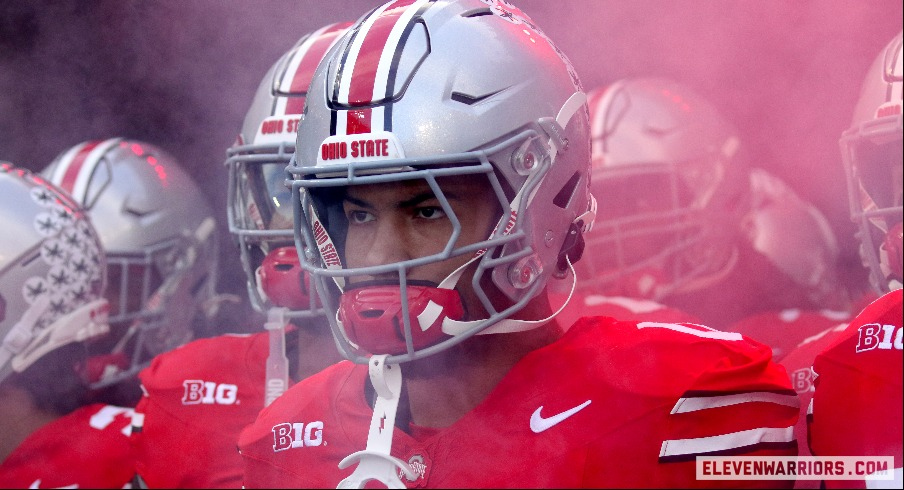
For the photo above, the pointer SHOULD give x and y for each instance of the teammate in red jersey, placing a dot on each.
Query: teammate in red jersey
(199, 396)
(440, 182)
(857, 403)
(51, 284)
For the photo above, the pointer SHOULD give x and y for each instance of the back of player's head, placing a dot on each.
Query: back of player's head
(425, 91)
(258, 209)
(158, 232)
(671, 180)
(51, 278)
(872, 156)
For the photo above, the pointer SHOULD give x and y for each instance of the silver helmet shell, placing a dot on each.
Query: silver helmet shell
(872, 157)
(259, 212)
(445, 88)
(51, 271)
(158, 232)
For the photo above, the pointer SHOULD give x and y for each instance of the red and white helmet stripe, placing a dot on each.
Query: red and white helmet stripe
(77, 165)
(303, 60)
(366, 74)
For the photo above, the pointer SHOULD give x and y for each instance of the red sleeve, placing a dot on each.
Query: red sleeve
(857, 403)
(88, 448)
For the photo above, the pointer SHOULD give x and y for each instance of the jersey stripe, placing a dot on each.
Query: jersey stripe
(693, 404)
(726, 442)
(706, 333)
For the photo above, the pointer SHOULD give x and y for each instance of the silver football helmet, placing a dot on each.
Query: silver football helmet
(259, 212)
(872, 157)
(402, 97)
(159, 235)
(671, 179)
(51, 271)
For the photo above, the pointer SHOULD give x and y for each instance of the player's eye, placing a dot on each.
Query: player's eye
(430, 212)
(358, 217)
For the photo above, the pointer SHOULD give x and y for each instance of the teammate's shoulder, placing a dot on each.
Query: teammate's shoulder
(212, 355)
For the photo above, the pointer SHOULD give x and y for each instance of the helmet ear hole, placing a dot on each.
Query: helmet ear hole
(563, 198)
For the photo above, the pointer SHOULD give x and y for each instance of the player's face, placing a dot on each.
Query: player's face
(397, 221)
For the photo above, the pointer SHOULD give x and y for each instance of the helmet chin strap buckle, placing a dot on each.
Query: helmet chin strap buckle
(375, 462)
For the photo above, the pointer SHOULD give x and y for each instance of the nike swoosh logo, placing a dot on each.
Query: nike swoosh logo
(538, 424)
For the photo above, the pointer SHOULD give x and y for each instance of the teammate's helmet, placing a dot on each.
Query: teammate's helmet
(258, 209)
(51, 271)
(795, 237)
(872, 156)
(671, 180)
(158, 233)
(427, 90)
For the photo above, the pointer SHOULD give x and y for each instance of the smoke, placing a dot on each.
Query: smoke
(181, 74)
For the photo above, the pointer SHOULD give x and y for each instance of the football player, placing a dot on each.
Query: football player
(440, 182)
(686, 221)
(51, 303)
(159, 235)
(857, 403)
(200, 395)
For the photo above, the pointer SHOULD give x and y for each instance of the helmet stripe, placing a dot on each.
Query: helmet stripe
(363, 76)
(77, 166)
(303, 62)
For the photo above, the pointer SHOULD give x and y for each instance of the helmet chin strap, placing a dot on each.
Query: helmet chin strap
(375, 462)
(506, 325)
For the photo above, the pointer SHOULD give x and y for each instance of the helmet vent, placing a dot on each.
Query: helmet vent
(564, 196)
(478, 12)
(471, 99)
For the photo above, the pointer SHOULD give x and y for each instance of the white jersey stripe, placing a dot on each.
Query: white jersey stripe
(707, 334)
(693, 404)
(724, 442)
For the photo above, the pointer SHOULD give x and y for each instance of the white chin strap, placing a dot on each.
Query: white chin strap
(375, 462)
(506, 325)
(277, 371)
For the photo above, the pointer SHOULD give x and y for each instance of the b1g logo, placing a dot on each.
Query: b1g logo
(802, 379)
(298, 434)
(199, 392)
(875, 336)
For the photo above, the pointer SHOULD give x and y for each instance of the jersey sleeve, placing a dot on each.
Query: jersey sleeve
(728, 398)
(857, 403)
(88, 448)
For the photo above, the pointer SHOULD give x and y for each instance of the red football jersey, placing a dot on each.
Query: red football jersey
(88, 448)
(784, 330)
(623, 404)
(857, 404)
(197, 399)
(799, 364)
(625, 309)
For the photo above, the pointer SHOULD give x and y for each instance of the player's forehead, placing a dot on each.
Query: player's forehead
(466, 189)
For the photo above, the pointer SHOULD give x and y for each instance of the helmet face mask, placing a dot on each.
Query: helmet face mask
(517, 123)
(672, 182)
(871, 151)
(258, 209)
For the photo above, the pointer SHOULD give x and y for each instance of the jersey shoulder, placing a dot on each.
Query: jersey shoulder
(89, 448)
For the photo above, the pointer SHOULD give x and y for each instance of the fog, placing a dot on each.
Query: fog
(181, 74)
